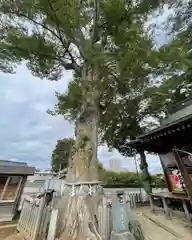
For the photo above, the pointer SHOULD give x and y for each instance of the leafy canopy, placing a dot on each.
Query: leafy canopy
(177, 84)
(127, 93)
(53, 35)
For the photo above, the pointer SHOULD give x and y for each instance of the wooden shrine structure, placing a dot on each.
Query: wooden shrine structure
(13, 176)
(172, 141)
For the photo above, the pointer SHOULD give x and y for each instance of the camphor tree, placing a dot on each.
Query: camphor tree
(126, 104)
(51, 36)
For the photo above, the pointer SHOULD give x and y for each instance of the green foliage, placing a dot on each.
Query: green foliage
(177, 86)
(127, 64)
(129, 179)
(100, 166)
(122, 92)
(51, 36)
(61, 153)
(101, 170)
(40, 33)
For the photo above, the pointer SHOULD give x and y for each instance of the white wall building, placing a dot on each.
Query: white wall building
(115, 166)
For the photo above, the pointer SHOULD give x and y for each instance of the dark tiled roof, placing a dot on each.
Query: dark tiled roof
(17, 170)
(166, 126)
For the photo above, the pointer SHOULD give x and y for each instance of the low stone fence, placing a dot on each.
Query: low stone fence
(132, 198)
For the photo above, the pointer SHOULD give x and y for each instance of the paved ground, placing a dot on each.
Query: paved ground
(156, 227)
(6, 232)
(14, 237)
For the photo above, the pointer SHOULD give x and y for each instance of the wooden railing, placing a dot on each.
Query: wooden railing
(34, 219)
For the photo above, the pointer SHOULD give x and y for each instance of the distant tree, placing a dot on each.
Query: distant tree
(122, 178)
(110, 178)
(61, 153)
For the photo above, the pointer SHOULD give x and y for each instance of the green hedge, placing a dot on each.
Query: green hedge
(128, 179)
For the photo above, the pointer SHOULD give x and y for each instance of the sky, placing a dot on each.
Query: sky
(29, 134)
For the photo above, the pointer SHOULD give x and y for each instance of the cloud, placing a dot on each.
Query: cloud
(28, 133)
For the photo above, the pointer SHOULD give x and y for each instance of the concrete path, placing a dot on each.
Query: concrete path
(8, 233)
(157, 227)
(154, 232)
(8, 226)
(15, 237)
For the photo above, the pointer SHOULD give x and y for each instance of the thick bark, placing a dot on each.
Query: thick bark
(82, 164)
(79, 206)
(146, 178)
(78, 218)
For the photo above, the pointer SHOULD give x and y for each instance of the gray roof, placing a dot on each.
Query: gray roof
(11, 163)
(15, 168)
(166, 126)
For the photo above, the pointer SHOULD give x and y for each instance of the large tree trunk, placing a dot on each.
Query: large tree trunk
(146, 178)
(78, 208)
(78, 218)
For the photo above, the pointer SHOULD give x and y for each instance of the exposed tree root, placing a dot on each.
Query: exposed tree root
(79, 213)
(136, 230)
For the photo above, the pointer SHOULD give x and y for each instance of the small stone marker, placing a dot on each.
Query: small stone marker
(124, 224)
(52, 225)
(119, 213)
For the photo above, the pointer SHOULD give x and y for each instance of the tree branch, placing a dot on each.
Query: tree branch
(96, 37)
(68, 66)
(77, 34)
(77, 68)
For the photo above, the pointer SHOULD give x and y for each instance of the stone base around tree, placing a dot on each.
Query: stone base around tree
(85, 214)
(79, 211)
